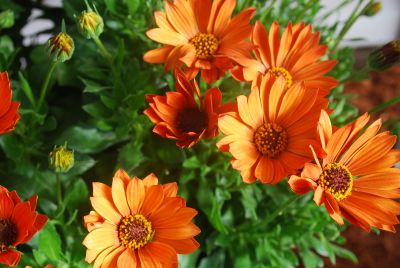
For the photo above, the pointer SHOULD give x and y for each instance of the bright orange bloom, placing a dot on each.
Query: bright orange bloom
(269, 135)
(177, 115)
(19, 222)
(202, 35)
(296, 56)
(138, 223)
(356, 178)
(8, 110)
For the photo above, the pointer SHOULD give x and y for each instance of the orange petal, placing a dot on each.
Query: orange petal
(264, 170)
(158, 55)
(106, 209)
(119, 196)
(101, 238)
(182, 232)
(100, 258)
(164, 253)
(150, 180)
(301, 185)
(167, 37)
(128, 259)
(135, 195)
(153, 199)
(170, 189)
(319, 196)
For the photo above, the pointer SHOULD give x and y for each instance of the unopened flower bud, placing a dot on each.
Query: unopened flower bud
(61, 159)
(61, 47)
(373, 9)
(6, 19)
(90, 24)
(385, 57)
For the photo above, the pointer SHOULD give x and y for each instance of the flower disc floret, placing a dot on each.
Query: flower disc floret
(270, 139)
(205, 44)
(135, 231)
(279, 71)
(337, 180)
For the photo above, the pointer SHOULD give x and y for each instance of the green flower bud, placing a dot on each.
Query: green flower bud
(61, 159)
(61, 47)
(90, 24)
(373, 9)
(385, 57)
(6, 19)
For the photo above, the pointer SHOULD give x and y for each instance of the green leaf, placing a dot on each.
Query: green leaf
(345, 253)
(131, 155)
(77, 195)
(87, 140)
(50, 242)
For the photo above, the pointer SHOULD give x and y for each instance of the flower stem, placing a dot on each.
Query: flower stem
(279, 210)
(59, 190)
(45, 86)
(349, 23)
(108, 57)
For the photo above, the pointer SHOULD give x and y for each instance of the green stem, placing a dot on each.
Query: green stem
(45, 86)
(384, 105)
(59, 190)
(107, 55)
(354, 16)
(279, 210)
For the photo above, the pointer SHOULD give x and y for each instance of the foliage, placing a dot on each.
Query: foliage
(96, 104)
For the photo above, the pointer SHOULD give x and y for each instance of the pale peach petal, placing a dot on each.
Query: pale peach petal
(128, 259)
(150, 180)
(106, 209)
(119, 196)
(101, 238)
(167, 37)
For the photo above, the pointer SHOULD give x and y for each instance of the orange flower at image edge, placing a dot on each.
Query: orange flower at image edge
(177, 115)
(356, 178)
(296, 56)
(269, 135)
(138, 223)
(19, 222)
(8, 110)
(202, 35)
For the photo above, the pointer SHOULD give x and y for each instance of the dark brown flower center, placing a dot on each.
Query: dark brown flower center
(8, 234)
(270, 139)
(337, 180)
(135, 231)
(205, 44)
(192, 120)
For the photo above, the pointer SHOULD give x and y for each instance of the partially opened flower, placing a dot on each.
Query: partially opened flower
(8, 110)
(201, 35)
(296, 56)
(138, 223)
(269, 135)
(356, 178)
(19, 222)
(178, 116)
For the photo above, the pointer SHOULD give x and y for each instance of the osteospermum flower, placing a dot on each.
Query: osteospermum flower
(269, 135)
(296, 56)
(19, 222)
(356, 178)
(202, 35)
(177, 115)
(138, 223)
(8, 110)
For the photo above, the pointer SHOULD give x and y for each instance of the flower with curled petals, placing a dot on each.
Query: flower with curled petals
(269, 134)
(8, 110)
(178, 116)
(296, 56)
(201, 35)
(356, 179)
(19, 222)
(138, 223)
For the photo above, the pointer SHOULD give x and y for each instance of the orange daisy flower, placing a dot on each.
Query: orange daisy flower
(8, 110)
(296, 56)
(269, 135)
(356, 178)
(177, 115)
(202, 35)
(138, 223)
(19, 222)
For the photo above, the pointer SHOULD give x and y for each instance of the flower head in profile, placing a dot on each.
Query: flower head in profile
(90, 23)
(138, 223)
(296, 56)
(19, 222)
(201, 35)
(8, 110)
(61, 47)
(356, 179)
(178, 116)
(269, 134)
